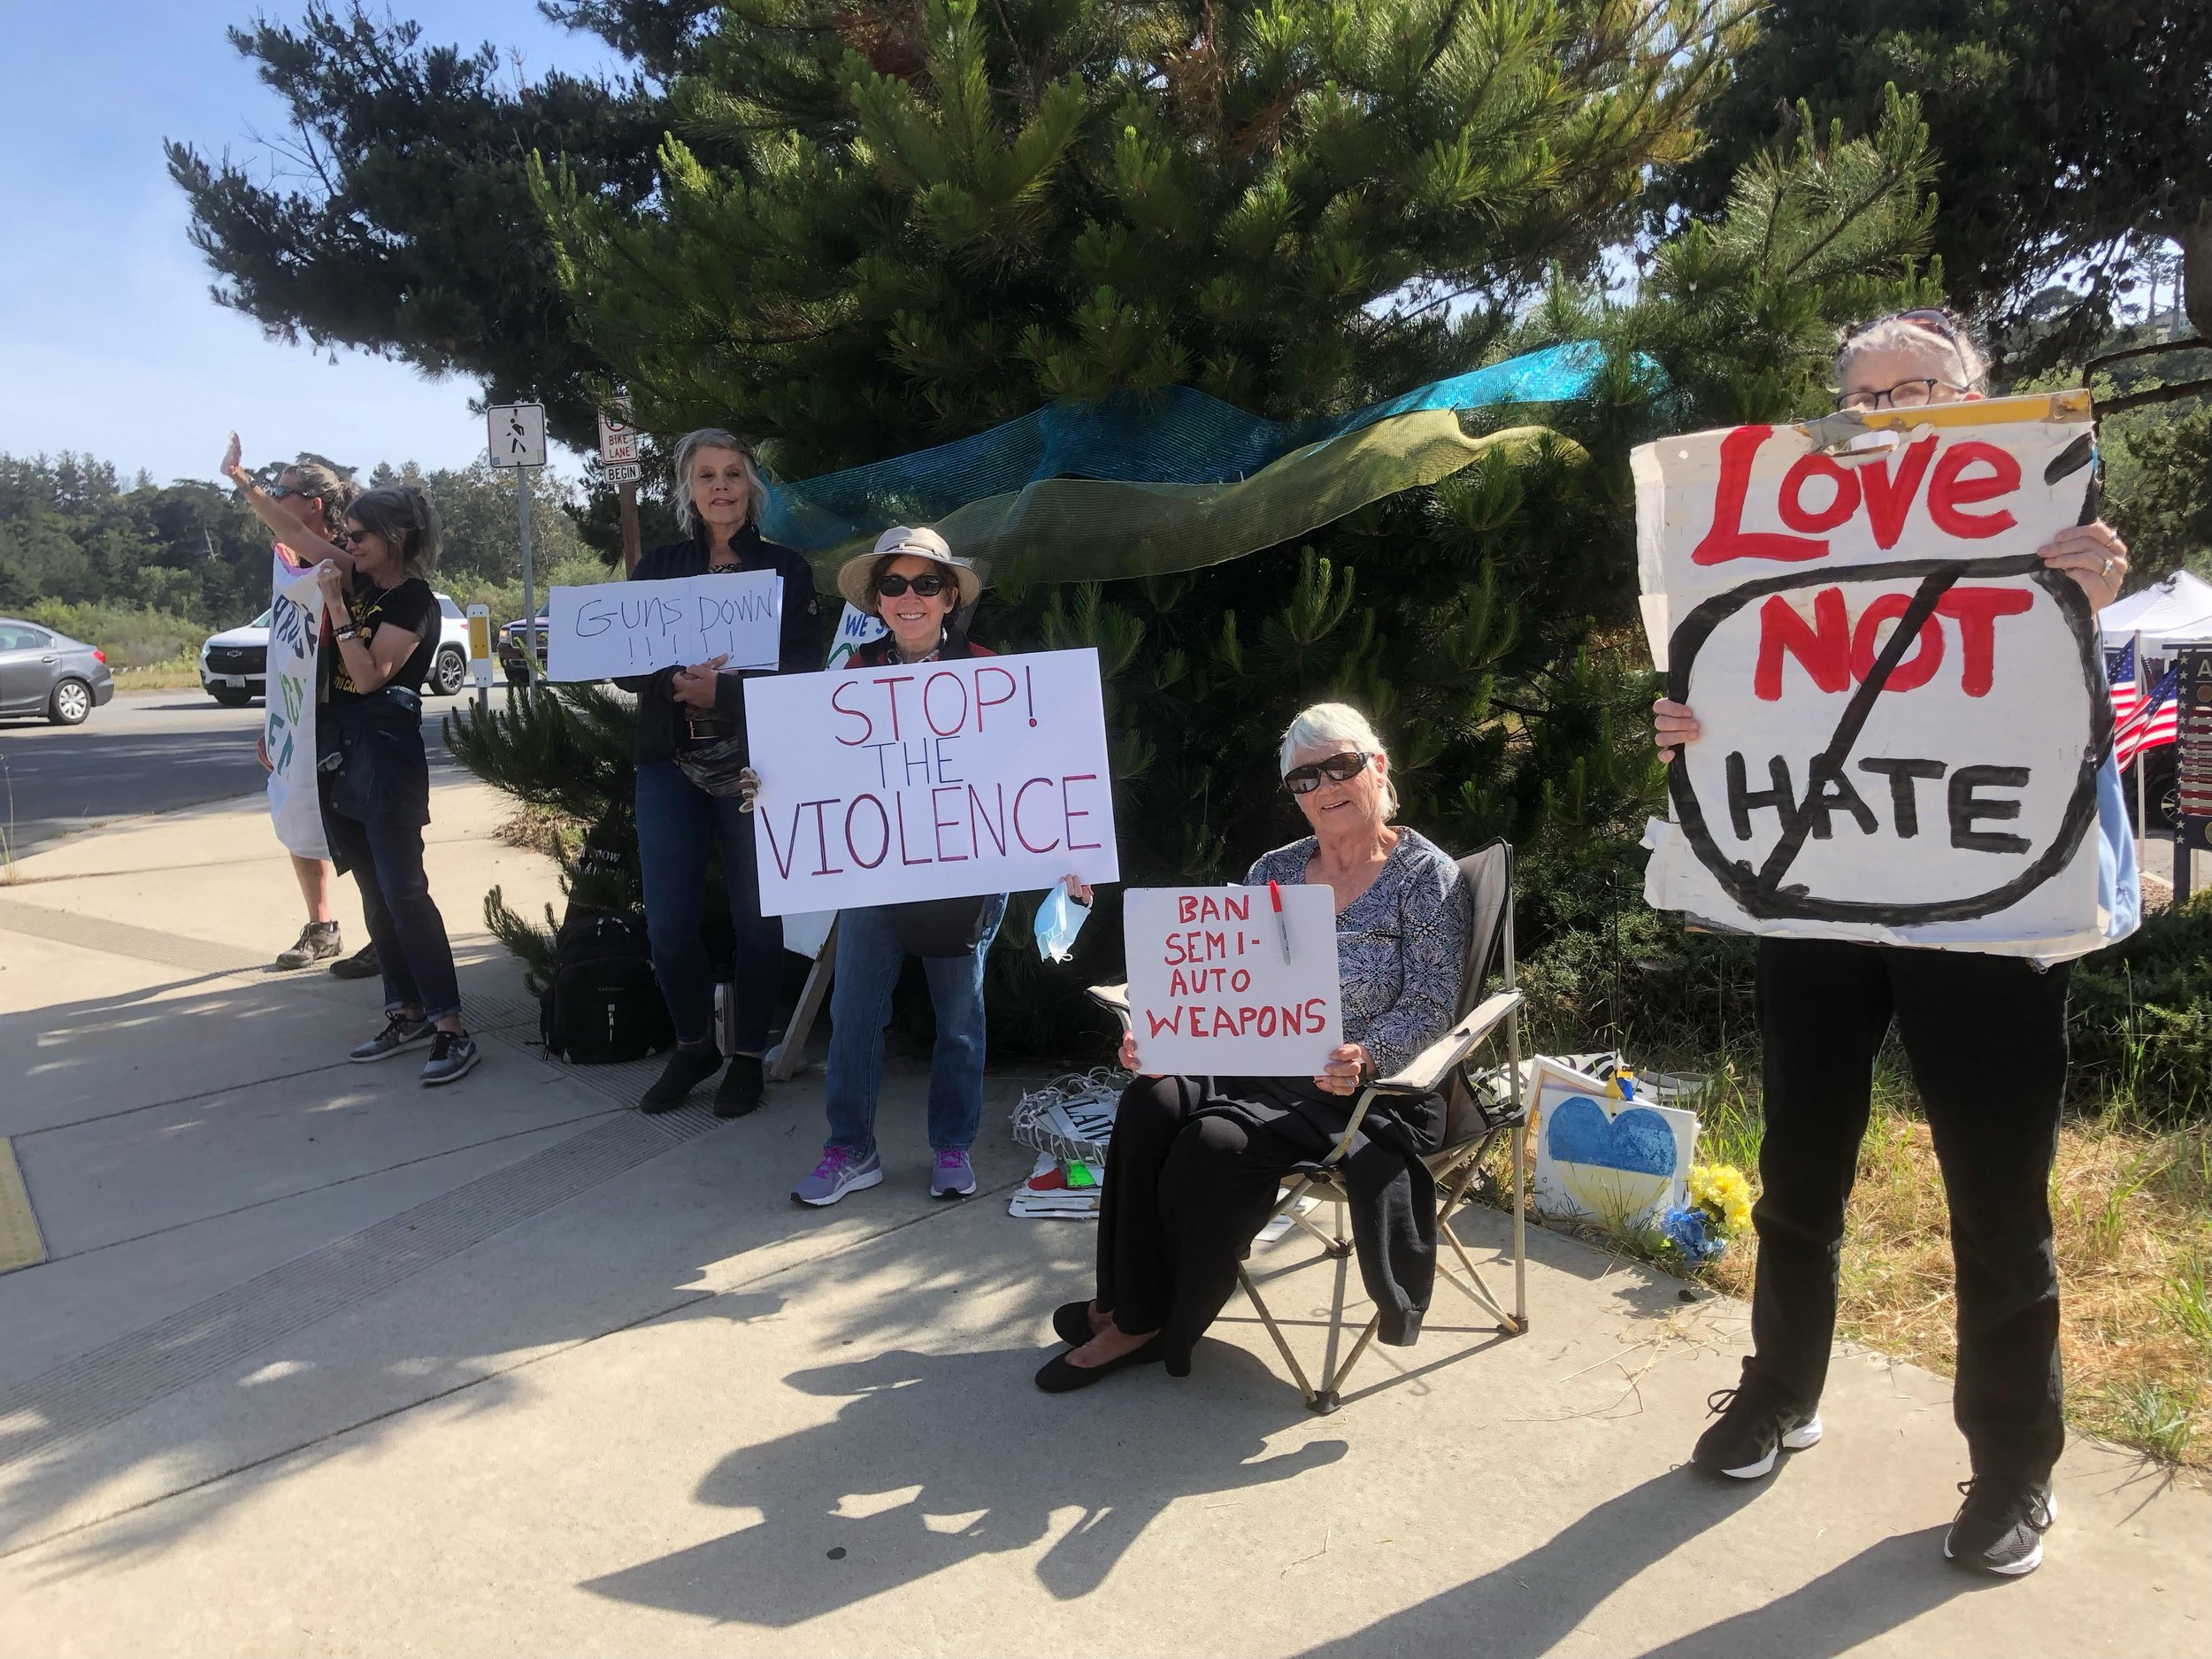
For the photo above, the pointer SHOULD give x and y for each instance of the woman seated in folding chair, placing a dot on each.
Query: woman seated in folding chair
(1194, 1163)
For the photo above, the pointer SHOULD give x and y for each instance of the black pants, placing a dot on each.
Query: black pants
(1184, 1195)
(385, 860)
(1987, 1037)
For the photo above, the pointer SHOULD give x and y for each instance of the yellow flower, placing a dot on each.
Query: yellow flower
(1722, 1192)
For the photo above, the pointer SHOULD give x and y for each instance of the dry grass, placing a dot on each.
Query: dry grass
(540, 829)
(179, 674)
(2133, 1211)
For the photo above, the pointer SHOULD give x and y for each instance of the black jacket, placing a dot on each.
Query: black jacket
(801, 650)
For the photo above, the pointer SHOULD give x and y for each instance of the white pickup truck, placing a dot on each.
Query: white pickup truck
(234, 665)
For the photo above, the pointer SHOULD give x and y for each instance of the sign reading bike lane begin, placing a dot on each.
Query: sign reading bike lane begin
(1902, 710)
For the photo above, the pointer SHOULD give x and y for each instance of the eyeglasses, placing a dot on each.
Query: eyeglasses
(278, 492)
(354, 538)
(1336, 769)
(928, 586)
(1905, 394)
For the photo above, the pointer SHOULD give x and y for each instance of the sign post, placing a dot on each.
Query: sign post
(617, 457)
(516, 443)
(480, 654)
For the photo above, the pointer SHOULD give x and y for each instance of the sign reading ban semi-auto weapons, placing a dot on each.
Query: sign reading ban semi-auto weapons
(1904, 712)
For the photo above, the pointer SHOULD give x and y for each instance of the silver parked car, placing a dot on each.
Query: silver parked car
(49, 673)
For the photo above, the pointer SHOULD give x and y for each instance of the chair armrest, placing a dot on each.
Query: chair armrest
(1114, 999)
(1427, 1071)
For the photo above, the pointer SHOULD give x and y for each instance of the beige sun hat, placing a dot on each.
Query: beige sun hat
(854, 575)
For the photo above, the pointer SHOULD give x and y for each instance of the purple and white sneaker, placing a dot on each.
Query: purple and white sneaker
(953, 1177)
(838, 1173)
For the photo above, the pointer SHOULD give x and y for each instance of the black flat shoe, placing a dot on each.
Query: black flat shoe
(1072, 1323)
(742, 1087)
(684, 1072)
(1059, 1377)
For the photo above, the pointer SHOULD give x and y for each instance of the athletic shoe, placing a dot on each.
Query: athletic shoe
(838, 1173)
(1756, 1423)
(740, 1089)
(2000, 1527)
(318, 942)
(954, 1176)
(686, 1069)
(401, 1030)
(361, 964)
(453, 1056)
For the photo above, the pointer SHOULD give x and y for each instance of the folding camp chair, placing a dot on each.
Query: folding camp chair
(1473, 1123)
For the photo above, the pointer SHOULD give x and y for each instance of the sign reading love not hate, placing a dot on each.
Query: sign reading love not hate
(929, 780)
(1209, 991)
(1903, 710)
(611, 628)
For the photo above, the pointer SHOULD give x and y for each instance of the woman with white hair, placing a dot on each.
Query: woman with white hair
(1986, 1038)
(1195, 1162)
(690, 754)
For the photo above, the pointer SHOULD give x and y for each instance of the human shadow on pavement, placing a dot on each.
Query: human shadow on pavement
(938, 1458)
(1535, 1600)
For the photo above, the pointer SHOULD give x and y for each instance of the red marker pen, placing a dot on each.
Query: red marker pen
(1282, 928)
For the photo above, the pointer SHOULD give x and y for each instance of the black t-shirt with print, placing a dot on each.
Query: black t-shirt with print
(411, 608)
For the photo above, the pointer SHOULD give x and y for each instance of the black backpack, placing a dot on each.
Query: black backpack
(603, 1005)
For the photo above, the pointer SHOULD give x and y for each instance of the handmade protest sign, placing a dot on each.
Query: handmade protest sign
(929, 780)
(1218, 985)
(612, 629)
(854, 628)
(1903, 710)
(288, 733)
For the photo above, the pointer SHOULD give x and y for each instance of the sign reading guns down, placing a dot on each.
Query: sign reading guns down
(1904, 712)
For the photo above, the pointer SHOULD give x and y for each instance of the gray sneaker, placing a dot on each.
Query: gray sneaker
(453, 1056)
(399, 1032)
(953, 1177)
(318, 942)
(838, 1173)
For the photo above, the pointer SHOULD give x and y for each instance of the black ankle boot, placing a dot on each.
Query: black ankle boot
(740, 1089)
(686, 1068)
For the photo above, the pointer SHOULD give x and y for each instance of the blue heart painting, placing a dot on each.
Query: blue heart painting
(1616, 1167)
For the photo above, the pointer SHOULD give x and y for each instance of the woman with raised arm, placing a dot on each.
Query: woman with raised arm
(691, 751)
(1987, 1037)
(1195, 1162)
(374, 772)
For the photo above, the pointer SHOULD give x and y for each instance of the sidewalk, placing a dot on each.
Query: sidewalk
(323, 1362)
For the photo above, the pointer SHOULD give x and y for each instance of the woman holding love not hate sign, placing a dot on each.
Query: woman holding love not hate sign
(912, 582)
(1194, 1163)
(690, 751)
(1987, 1037)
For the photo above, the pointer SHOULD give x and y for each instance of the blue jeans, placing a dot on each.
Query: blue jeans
(677, 823)
(869, 958)
(385, 861)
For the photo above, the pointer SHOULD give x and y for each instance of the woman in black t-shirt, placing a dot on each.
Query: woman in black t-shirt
(374, 772)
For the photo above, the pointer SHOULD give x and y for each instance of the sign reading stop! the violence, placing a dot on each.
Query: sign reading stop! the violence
(1904, 712)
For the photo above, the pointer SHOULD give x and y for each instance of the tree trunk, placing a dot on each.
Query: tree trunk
(2193, 232)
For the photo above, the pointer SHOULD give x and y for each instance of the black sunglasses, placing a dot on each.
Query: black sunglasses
(354, 538)
(928, 586)
(1336, 769)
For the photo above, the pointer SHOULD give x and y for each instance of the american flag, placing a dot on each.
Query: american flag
(2148, 722)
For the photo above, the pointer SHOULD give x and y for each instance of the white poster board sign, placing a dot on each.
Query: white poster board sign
(1222, 984)
(611, 628)
(929, 780)
(1859, 778)
(1619, 1163)
(855, 629)
(296, 622)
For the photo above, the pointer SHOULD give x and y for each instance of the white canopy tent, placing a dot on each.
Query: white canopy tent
(2176, 612)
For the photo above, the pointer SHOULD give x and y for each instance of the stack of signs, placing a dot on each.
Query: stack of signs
(1069, 1122)
(1618, 1164)
(1903, 710)
(2192, 731)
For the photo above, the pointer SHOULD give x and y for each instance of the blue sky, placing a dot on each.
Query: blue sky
(109, 344)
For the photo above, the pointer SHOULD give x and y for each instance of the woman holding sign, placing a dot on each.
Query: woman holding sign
(1987, 1037)
(1195, 1162)
(690, 752)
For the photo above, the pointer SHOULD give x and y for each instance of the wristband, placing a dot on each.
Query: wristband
(347, 632)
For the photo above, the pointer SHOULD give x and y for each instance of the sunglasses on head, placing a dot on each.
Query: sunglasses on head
(1336, 769)
(928, 586)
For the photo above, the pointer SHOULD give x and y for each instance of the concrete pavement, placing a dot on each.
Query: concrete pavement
(323, 1362)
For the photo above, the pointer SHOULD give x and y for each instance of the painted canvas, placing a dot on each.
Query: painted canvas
(1619, 1163)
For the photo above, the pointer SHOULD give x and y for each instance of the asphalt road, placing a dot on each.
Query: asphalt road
(146, 752)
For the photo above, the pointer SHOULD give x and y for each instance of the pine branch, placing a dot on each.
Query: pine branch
(2172, 394)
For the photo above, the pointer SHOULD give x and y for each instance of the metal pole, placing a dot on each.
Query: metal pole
(529, 600)
(2142, 822)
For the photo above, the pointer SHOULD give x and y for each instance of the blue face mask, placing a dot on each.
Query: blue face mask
(1059, 919)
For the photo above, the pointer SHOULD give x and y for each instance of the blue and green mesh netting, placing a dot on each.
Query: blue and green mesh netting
(1144, 484)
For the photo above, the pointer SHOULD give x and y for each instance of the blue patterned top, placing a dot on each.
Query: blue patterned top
(1400, 946)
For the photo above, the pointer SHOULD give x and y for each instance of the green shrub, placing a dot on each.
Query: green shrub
(133, 636)
(2142, 1019)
